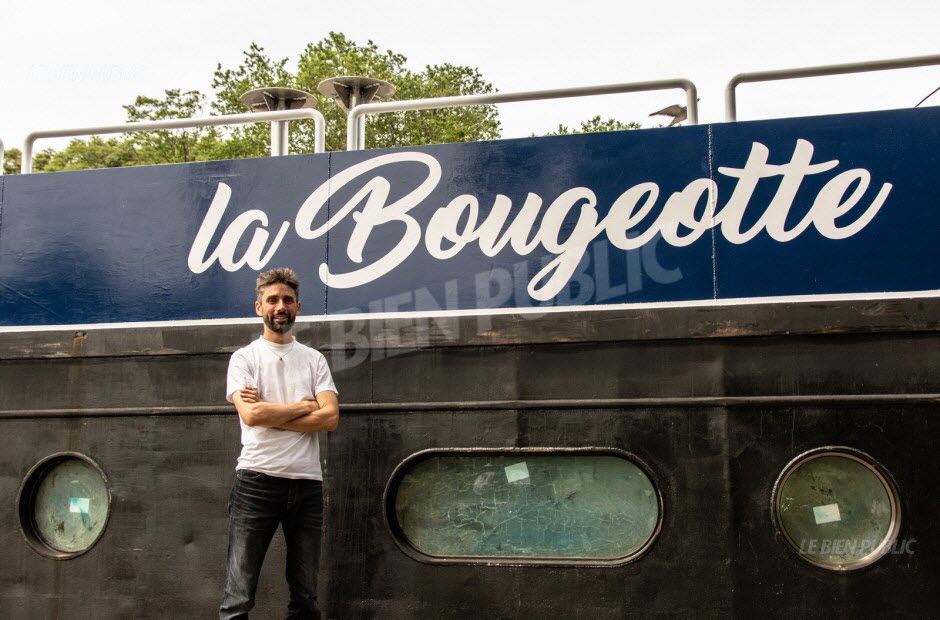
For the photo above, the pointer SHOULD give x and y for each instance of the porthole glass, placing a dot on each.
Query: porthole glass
(543, 505)
(837, 508)
(64, 505)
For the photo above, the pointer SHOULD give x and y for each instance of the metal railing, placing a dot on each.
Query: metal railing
(731, 111)
(319, 130)
(355, 139)
(1, 157)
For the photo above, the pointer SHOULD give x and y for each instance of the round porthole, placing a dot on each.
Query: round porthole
(837, 508)
(64, 503)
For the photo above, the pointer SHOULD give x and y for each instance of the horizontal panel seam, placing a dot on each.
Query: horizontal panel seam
(404, 407)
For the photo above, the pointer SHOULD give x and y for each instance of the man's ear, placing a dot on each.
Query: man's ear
(258, 308)
(298, 307)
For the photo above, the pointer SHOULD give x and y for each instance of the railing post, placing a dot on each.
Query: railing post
(277, 98)
(351, 91)
(731, 112)
(354, 137)
(319, 128)
(691, 102)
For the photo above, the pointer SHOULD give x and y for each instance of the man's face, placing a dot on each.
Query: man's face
(278, 307)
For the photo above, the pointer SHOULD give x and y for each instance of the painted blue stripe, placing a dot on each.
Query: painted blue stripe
(114, 246)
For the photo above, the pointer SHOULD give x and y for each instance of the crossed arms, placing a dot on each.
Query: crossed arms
(307, 416)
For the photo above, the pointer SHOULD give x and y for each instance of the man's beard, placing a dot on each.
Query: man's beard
(279, 328)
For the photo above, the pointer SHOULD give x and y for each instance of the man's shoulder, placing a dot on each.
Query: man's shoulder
(246, 351)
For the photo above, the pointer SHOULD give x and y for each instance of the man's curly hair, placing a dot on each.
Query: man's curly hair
(281, 275)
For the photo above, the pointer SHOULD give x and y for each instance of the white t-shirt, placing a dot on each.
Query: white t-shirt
(282, 373)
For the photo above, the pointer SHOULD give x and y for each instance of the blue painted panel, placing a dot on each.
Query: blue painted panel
(535, 168)
(106, 246)
(625, 217)
(896, 251)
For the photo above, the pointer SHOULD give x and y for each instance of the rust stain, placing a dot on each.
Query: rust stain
(78, 344)
(875, 309)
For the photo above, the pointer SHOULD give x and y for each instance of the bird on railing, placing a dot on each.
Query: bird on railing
(677, 112)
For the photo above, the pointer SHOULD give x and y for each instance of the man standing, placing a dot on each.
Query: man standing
(284, 395)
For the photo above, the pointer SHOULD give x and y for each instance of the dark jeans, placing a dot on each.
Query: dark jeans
(259, 503)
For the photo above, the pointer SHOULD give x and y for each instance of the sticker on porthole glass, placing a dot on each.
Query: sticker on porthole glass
(79, 505)
(517, 473)
(826, 514)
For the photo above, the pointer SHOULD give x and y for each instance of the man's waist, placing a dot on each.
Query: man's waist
(250, 472)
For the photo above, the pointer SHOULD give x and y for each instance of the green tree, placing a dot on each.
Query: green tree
(595, 125)
(11, 161)
(92, 153)
(256, 71)
(336, 55)
(177, 145)
(136, 149)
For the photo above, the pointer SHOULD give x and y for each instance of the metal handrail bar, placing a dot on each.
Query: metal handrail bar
(355, 141)
(319, 130)
(731, 111)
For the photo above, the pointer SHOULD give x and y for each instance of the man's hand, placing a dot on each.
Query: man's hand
(249, 395)
(323, 417)
(256, 412)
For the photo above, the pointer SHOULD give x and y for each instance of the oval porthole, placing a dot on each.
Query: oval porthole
(64, 504)
(535, 505)
(837, 508)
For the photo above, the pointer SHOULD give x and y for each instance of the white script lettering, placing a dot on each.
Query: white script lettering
(567, 227)
(373, 214)
(255, 256)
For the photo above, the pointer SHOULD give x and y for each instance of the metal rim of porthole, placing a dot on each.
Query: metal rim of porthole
(401, 540)
(880, 472)
(25, 502)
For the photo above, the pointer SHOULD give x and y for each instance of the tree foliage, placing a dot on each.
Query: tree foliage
(256, 71)
(143, 148)
(336, 56)
(11, 161)
(177, 145)
(333, 56)
(95, 152)
(595, 125)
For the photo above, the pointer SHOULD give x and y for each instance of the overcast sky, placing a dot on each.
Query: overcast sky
(68, 64)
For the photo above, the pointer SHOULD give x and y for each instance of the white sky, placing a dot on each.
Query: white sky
(67, 63)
